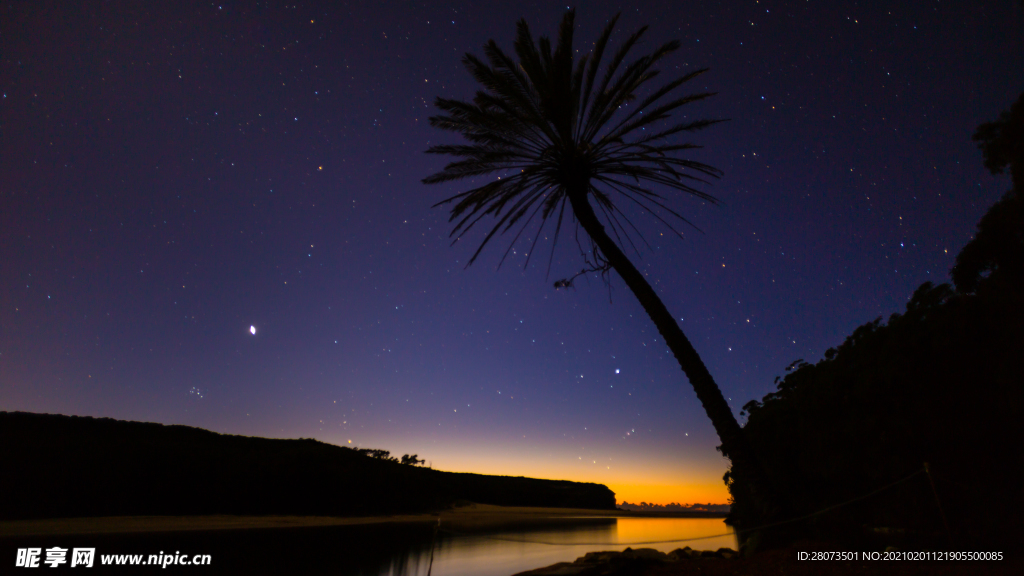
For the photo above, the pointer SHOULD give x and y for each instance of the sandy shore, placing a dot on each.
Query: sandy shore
(463, 517)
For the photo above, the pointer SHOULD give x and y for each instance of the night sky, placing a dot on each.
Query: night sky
(172, 175)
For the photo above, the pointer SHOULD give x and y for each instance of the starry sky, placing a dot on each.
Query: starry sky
(172, 175)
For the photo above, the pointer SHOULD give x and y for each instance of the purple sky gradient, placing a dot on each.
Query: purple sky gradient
(172, 175)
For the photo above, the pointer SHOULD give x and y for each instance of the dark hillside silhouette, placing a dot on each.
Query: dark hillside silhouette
(66, 466)
(942, 383)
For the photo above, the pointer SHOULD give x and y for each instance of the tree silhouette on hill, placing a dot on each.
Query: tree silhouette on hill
(412, 460)
(939, 383)
(994, 258)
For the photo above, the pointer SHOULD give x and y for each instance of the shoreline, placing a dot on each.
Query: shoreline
(471, 516)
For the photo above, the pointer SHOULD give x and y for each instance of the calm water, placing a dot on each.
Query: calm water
(394, 549)
(503, 553)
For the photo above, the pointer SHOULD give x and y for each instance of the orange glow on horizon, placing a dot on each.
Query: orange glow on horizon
(662, 494)
(662, 488)
(661, 478)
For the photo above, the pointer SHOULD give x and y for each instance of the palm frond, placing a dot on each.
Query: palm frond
(544, 126)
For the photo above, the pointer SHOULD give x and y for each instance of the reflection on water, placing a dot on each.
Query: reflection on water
(506, 552)
(397, 549)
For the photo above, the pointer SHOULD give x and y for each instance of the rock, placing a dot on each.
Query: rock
(596, 557)
(646, 553)
(629, 561)
(726, 553)
(681, 553)
(561, 569)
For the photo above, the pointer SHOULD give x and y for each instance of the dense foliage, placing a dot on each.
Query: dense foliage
(940, 383)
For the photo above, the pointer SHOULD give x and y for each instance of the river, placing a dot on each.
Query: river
(389, 549)
(503, 553)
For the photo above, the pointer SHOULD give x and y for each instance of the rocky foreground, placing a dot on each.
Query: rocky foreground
(727, 562)
(629, 561)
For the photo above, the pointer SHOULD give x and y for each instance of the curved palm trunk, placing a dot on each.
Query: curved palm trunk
(734, 445)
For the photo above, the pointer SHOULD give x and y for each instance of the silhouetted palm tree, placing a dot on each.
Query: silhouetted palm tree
(556, 134)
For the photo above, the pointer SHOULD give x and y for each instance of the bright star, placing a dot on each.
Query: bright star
(252, 330)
